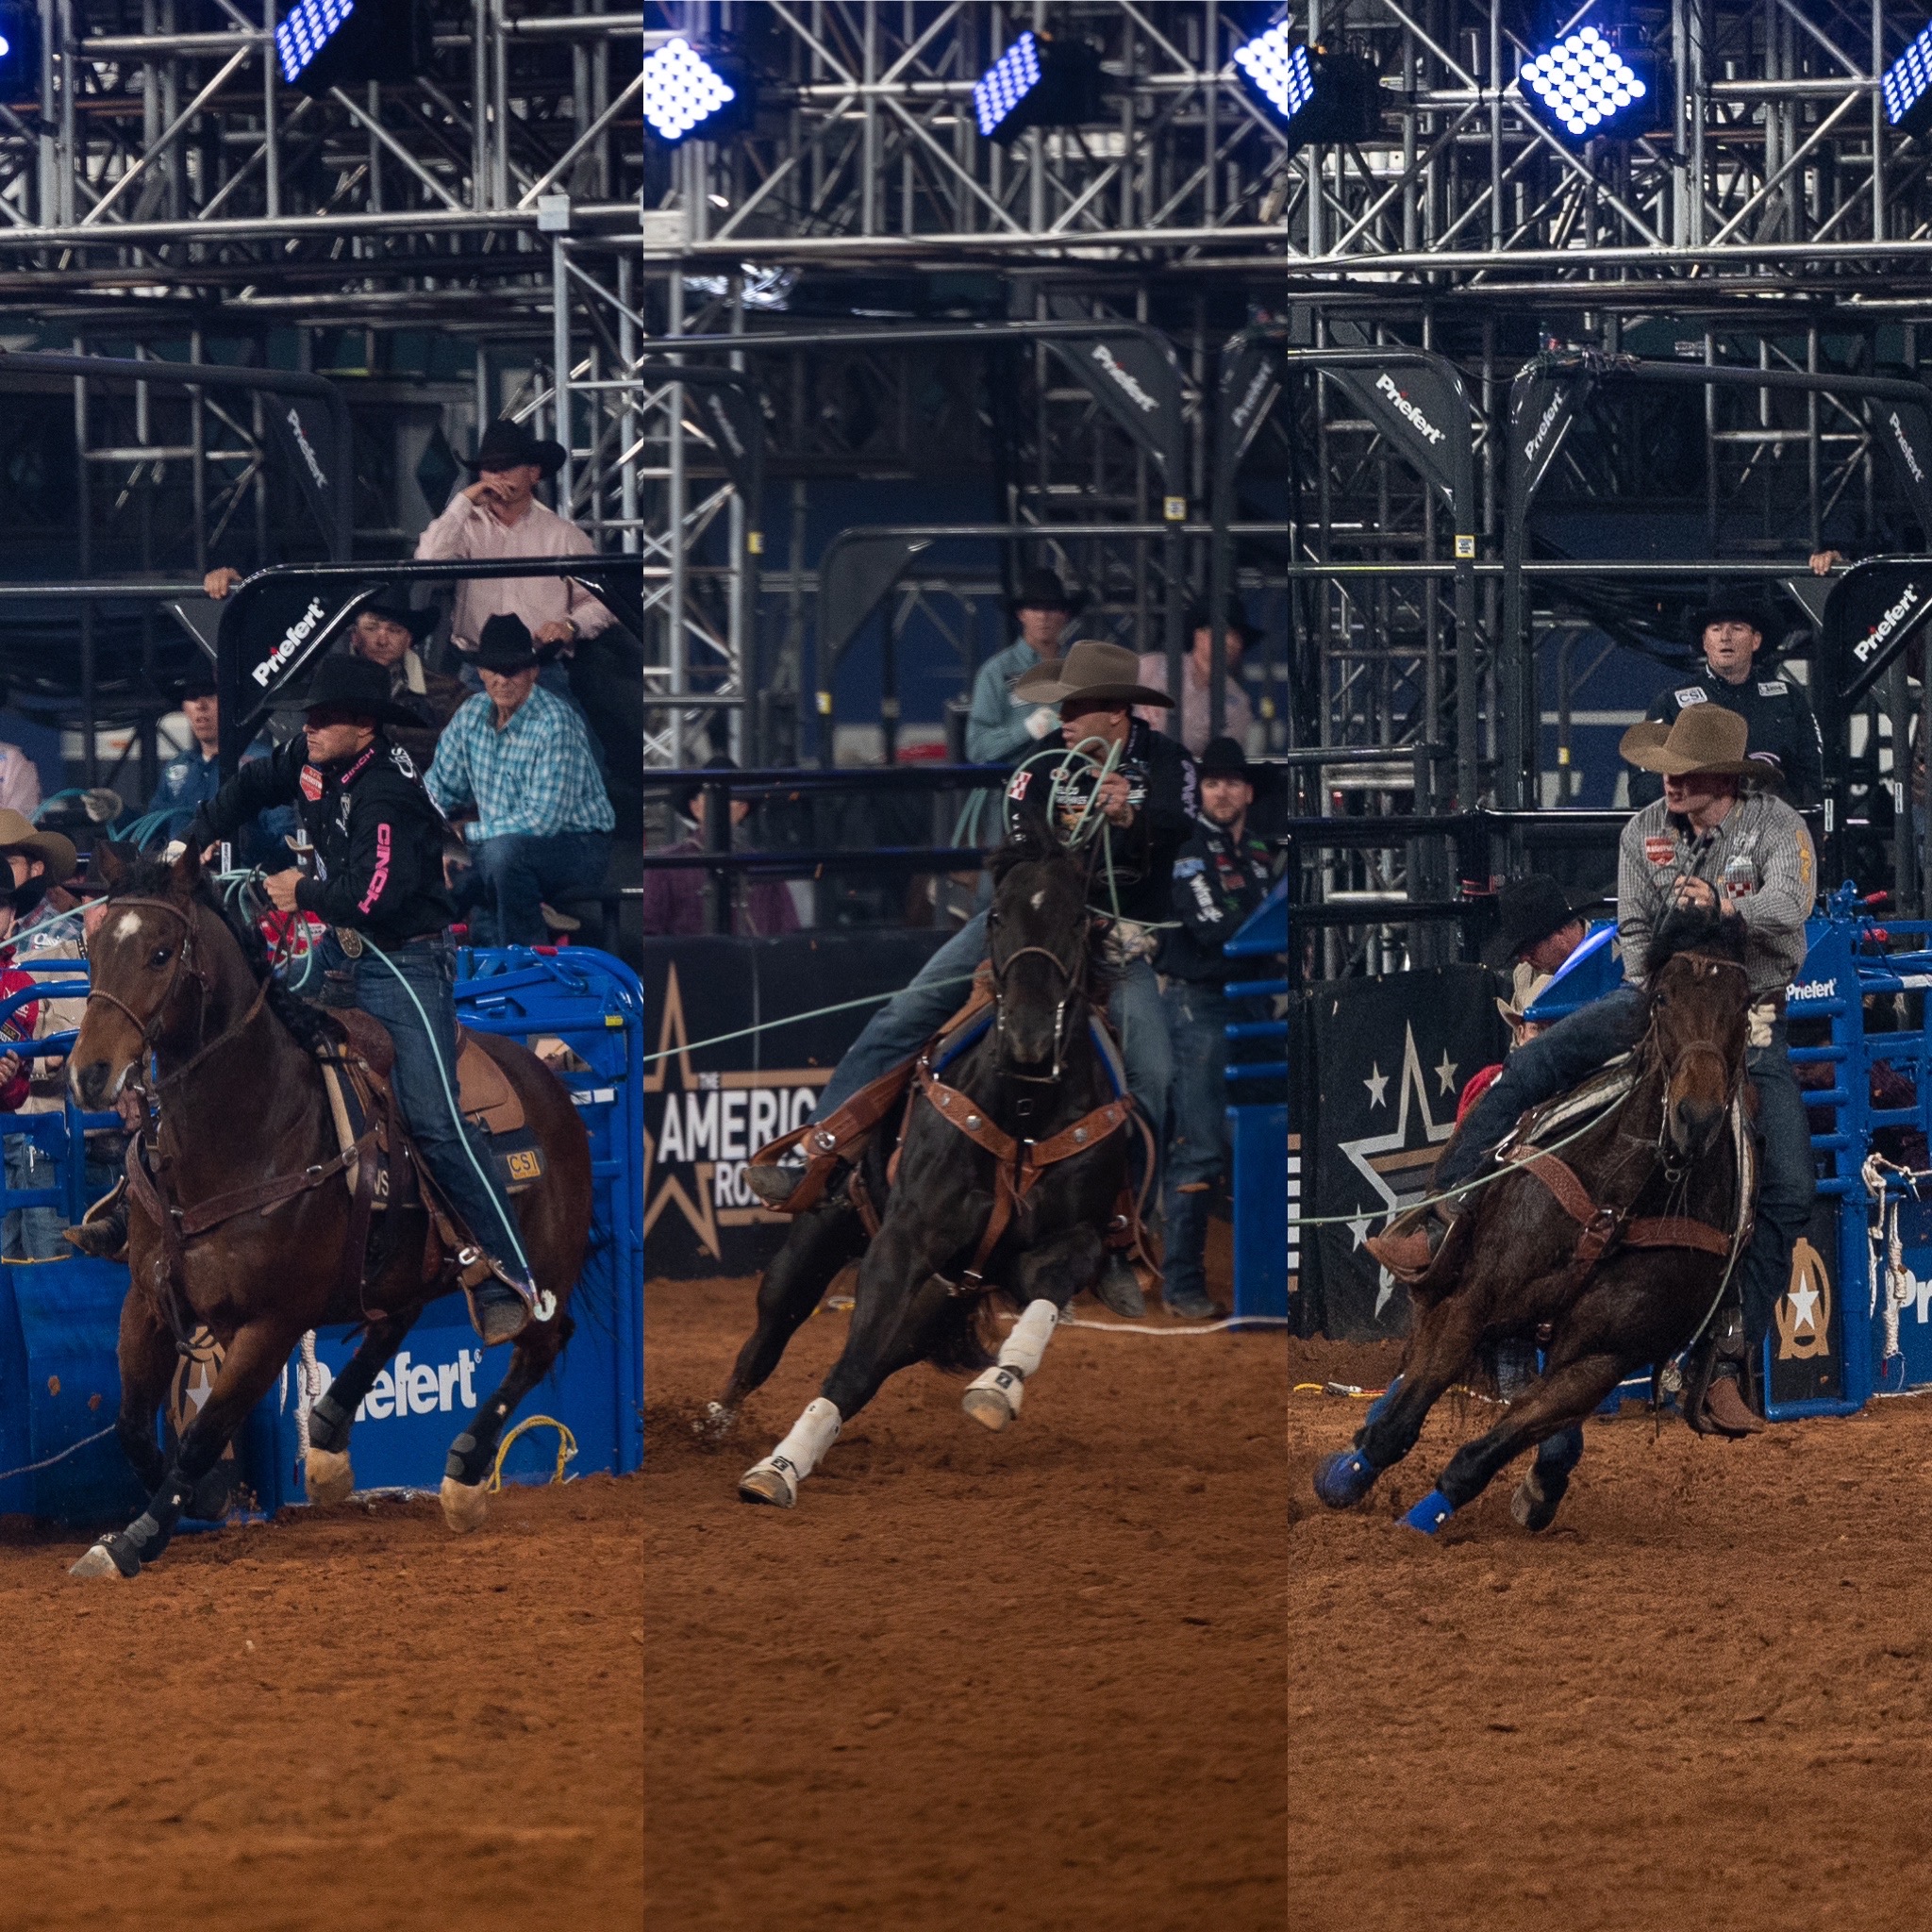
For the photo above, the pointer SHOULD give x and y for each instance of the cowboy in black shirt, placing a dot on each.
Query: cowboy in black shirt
(378, 882)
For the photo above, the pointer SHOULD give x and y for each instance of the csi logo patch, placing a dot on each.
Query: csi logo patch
(311, 783)
(1659, 850)
(1691, 694)
(524, 1165)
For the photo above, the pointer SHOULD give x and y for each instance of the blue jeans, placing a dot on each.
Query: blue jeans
(31, 1234)
(938, 989)
(1575, 1047)
(439, 1132)
(516, 872)
(1197, 1137)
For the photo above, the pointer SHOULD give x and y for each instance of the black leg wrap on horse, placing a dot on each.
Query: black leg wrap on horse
(329, 1424)
(468, 1460)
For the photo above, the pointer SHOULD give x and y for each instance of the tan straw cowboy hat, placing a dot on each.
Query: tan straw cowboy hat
(1702, 738)
(18, 833)
(1101, 673)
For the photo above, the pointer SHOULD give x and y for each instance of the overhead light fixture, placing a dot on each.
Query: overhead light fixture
(20, 51)
(1040, 81)
(322, 44)
(690, 93)
(1586, 85)
(1316, 95)
(1908, 88)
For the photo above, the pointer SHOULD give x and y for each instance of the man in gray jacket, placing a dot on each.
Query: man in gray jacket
(1002, 728)
(1708, 842)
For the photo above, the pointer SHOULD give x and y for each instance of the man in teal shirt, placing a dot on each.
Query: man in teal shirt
(1001, 730)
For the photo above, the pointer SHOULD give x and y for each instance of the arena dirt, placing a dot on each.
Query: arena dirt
(1703, 1698)
(1031, 1680)
(347, 1719)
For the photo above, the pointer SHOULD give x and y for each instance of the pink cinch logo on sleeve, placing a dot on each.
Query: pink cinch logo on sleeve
(380, 878)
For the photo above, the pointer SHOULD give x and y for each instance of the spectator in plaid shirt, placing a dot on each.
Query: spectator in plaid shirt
(522, 756)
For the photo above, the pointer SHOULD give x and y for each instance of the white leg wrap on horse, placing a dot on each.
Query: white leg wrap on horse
(1026, 1344)
(812, 1434)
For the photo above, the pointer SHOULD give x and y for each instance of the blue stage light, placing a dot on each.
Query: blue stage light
(1006, 84)
(326, 43)
(1040, 81)
(1315, 94)
(1584, 85)
(306, 30)
(684, 91)
(1908, 88)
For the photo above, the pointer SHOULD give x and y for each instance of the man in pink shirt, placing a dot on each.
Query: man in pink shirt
(1189, 720)
(498, 515)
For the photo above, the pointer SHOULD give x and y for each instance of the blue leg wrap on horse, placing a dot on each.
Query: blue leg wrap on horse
(1379, 1408)
(1431, 1513)
(1345, 1478)
(1561, 1454)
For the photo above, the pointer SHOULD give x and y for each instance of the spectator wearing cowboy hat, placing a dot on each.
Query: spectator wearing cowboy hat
(498, 515)
(522, 758)
(1001, 728)
(1221, 875)
(386, 632)
(1777, 713)
(1149, 800)
(191, 781)
(674, 899)
(1197, 668)
(1719, 837)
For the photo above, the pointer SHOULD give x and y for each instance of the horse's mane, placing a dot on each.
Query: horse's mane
(315, 1027)
(1694, 929)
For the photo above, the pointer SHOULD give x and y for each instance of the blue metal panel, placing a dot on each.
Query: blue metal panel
(1264, 1185)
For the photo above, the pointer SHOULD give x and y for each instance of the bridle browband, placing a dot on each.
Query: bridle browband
(1691, 1048)
(1070, 982)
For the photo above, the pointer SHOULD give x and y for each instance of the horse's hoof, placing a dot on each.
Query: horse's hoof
(765, 1482)
(328, 1475)
(97, 1562)
(1431, 1513)
(1538, 1495)
(1345, 1479)
(464, 1504)
(993, 1401)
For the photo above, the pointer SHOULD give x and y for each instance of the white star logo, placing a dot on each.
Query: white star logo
(1445, 1071)
(1804, 1309)
(1397, 1171)
(1377, 1081)
(1360, 1228)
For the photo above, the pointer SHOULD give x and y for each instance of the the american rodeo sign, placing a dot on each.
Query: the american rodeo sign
(708, 1108)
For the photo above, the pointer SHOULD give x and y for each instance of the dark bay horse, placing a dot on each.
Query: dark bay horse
(1666, 1163)
(242, 1107)
(1034, 1084)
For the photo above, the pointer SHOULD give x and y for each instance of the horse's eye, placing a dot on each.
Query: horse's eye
(160, 956)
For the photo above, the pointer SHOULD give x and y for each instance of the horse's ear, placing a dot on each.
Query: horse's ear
(184, 875)
(111, 861)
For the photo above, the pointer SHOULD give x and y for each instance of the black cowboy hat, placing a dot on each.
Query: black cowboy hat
(1041, 590)
(1742, 608)
(1223, 759)
(682, 797)
(506, 444)
(1530, 909)
(391, 603)
(1234, 618)
(506, 645)
(198, 683)
(353, 684)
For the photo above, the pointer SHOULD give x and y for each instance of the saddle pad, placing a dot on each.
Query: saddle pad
(483, 1089)
(1600, 1091)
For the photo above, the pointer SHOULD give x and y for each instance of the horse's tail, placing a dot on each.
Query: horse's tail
(960, 1335)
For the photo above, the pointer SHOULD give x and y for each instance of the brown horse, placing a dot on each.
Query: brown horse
(1660, 1173)
(185, 1010)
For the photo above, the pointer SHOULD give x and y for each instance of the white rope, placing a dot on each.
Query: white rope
(307, 1392)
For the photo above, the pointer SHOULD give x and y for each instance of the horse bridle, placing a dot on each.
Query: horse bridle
(1693, 1048)
(1070, 981)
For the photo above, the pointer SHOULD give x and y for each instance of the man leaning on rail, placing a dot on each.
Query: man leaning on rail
(1149, 799)
(1715, 838)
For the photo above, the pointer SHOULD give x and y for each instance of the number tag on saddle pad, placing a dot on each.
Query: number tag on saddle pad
(1659, 849)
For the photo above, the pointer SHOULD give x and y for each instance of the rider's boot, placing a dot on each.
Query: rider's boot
(1721, 1406)
(1410, 1245)
(103, 1230)
(1119, 1287)
(775, 1182)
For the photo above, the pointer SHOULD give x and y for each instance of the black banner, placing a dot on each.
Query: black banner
(306, 436)
(1806, 1337)
(709, 1108)
(1542, 408)
(730, 421)
(1249, 385)
(1906, 431)
(1390, 1058)
(1137, 385)
(1874, 611)
(1413, 407)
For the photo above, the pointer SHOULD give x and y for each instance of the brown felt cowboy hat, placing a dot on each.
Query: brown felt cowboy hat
(1099, 673)
(1702, 738)
(18, 833)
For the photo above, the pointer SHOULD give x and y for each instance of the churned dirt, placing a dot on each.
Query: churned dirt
(1702, 1698)
(1028, 1681)
(347, 1720)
